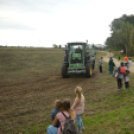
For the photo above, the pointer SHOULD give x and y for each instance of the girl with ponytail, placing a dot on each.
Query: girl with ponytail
(78, 106)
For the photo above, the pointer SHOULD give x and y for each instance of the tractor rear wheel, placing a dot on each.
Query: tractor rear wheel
(64, 71)
(89, 70)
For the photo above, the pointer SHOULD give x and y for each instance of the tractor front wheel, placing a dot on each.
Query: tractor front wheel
(64, 71)
(88, 70)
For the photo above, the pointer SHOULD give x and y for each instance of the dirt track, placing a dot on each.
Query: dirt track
(117, 62)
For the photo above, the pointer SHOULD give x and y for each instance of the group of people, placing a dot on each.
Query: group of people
(123, 70)
(111, 65)
(63, 110)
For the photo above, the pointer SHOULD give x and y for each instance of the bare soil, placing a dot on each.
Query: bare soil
(26, 98)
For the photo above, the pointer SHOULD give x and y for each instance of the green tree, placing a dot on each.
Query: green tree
(126, 35)
(55, 46)
(122, 36)
(115, 25)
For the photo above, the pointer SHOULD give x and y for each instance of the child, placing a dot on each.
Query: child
(121, 71)
(61, 117)
(58, 106)
(78, 106)
(129, 64)
(119, 58)
(127, 79)
(100, 64)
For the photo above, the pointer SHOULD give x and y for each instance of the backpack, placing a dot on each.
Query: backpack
(116, 74)
(69, 126)
(122, 70)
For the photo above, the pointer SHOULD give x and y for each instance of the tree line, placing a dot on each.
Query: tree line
(122, 35)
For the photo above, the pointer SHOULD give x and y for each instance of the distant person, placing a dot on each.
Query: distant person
(119, 58)
(58, 106)
(87, 57)
(100, 64)
(126, 62)
(129, 64)
(93, 63)
(78, 106)
(66, 111)
(121, 72)
(111, 66)
(127, 79)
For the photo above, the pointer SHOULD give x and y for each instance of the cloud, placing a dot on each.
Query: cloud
(29, 5)
(58, 21)
(6, 23)
(45, 6)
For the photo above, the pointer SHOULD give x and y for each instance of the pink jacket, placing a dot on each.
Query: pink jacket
(79, 107)
(62, 120)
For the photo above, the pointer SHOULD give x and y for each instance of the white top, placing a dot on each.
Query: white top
(100, 62)
(126, 65)
(129, 64)
(79, 106)
(127, 79)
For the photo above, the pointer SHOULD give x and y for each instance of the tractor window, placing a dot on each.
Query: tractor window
(74, 47)
(88, 47)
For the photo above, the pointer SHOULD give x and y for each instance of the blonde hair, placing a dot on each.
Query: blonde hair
(78, 91)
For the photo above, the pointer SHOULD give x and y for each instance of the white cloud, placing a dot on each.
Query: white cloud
(43, 22)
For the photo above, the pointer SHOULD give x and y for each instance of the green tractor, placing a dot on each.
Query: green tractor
(77, 59)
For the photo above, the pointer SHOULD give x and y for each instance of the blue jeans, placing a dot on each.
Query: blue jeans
(52, 130)
(79, 122)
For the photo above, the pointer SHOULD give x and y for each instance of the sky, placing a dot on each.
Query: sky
(42, 23)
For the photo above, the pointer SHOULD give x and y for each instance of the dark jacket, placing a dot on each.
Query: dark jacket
(53, 114)
(111, 67)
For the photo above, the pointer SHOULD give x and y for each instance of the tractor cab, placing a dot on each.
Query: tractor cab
(77, 59)
(76, 53)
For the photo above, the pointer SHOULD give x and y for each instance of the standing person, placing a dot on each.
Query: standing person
(58, 106)
(129, 64)
(93, 63)
(111, 67)
(119, 57)
(127, 79)
(78, 106)
(67, 111)
(121, 71)
(126, 62)
(100, 64)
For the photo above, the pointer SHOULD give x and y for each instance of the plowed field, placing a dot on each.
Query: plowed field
(30, 81)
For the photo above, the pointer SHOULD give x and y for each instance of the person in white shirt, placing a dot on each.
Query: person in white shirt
(126, 62)
(127, 79)
(129, 63)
